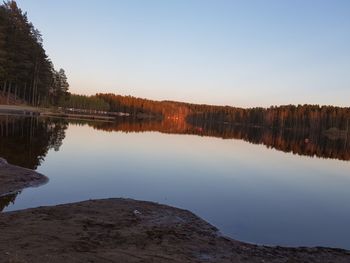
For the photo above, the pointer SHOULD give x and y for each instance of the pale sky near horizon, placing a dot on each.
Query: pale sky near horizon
(239, 53)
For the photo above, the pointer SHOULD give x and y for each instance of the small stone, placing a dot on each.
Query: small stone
(136, 212)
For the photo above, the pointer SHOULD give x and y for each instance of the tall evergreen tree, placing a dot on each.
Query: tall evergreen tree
(26, 72)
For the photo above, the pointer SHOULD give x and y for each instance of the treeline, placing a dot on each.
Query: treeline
(313, 117)
(83, 102)
(135, 106)
(276, 117)
(26, 72)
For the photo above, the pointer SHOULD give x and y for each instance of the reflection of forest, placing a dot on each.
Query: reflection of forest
(297, 141)
(309, 142)
(25, 141)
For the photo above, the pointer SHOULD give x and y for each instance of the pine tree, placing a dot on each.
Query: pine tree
(25, 69)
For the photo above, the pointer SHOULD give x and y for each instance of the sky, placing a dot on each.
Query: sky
(240, 53)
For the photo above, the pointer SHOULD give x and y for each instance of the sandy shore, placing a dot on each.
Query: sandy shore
(18, 108)
(28, 110)
(124, 230)
(14, 178)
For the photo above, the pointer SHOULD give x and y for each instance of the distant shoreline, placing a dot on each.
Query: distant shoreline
(24, 110)
(33, 111)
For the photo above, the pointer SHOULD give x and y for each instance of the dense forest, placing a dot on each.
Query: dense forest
(26, 72)
(83, 102)
(301, 117)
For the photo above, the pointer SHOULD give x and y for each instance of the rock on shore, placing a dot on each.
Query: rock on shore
(14, 178)
(125, 230)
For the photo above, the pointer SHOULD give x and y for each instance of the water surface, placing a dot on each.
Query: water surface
(251, 187)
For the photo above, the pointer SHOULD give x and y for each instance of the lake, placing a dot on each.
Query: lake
(268, 187)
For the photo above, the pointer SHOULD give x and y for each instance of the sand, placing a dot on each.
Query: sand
(125, 230)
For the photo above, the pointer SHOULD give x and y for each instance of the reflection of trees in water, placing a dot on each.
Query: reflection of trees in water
(134, 125)
(6, 200)
(25, 141)
(297, 141)
(309, 142)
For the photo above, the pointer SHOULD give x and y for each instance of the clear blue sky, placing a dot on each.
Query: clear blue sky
(244, 53)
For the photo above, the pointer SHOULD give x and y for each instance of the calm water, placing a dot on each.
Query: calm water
(251, 192)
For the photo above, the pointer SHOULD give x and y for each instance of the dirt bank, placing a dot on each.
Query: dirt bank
(19, 109)
(14, 178)
(46, 112)
(124, 230)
